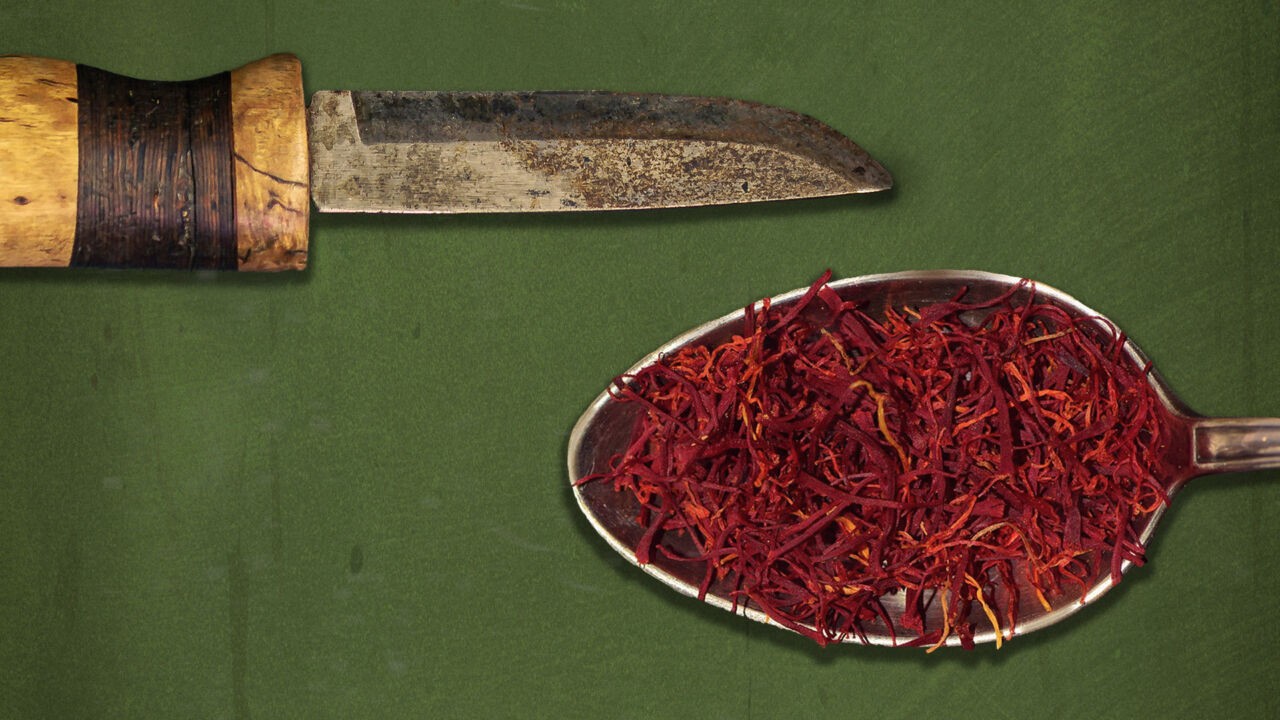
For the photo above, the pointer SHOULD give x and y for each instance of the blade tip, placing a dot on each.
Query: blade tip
(868, 177)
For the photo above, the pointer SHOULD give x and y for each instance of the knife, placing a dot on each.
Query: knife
(102, 170)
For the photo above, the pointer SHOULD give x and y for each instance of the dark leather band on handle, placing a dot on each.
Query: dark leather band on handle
(102, 170)
(156, 183)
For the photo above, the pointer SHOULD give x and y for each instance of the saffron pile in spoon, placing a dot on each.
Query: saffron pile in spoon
(954, 454)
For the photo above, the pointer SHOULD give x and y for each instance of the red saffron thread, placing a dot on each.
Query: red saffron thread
(820, 466)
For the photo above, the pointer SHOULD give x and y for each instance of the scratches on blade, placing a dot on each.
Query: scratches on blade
(351, 175)
(531, 152)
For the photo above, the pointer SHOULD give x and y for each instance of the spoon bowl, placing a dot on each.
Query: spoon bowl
(1198, 446)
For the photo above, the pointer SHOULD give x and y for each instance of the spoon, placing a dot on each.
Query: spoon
(1200, 446)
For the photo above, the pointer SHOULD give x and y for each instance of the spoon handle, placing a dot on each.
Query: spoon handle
(1236, 444)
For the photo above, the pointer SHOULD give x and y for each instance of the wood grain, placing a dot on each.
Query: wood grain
(103, 170)
(38, 161)
(273, 199)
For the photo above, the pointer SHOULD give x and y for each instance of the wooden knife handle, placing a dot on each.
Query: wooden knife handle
(101, 170)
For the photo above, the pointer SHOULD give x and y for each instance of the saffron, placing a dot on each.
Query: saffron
(834, 455)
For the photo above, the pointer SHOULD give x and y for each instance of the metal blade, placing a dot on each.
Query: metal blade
(453, 152)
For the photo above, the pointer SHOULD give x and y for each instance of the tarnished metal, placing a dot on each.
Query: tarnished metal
(452, 152)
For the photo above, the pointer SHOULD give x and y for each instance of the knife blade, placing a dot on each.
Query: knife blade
(98, 169)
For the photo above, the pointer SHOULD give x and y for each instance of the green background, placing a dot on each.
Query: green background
(343, 493)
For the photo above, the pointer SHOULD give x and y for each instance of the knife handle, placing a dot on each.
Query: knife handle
(102, 170)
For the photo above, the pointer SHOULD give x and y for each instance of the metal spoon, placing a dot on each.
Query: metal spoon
(1201, 445)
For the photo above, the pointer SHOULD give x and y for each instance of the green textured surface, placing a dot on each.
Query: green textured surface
(343, 494)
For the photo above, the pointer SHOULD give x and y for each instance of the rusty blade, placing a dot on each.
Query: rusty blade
(453, 152)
